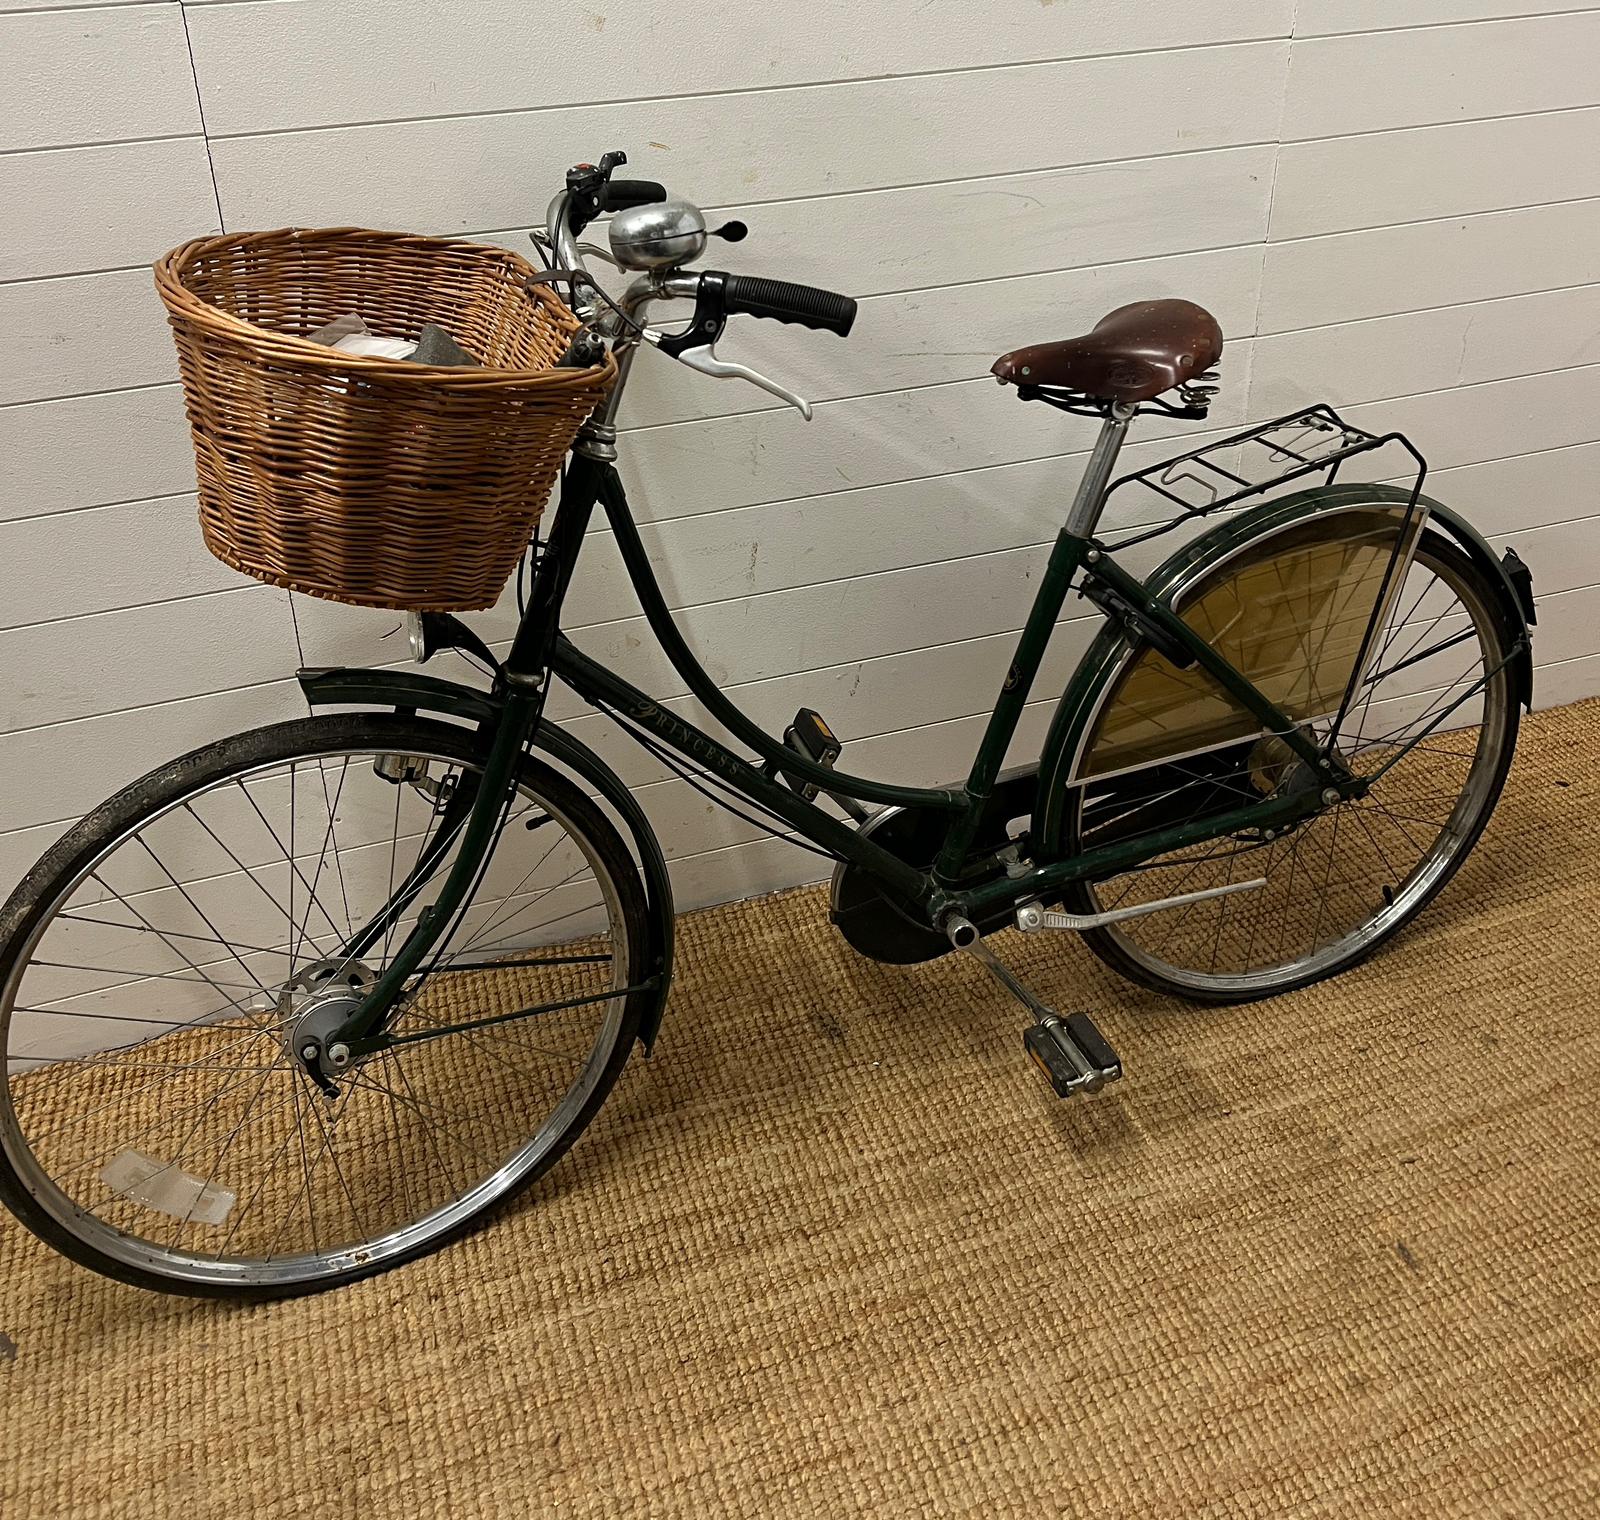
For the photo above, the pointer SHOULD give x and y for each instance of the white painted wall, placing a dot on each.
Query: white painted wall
(1393, 206)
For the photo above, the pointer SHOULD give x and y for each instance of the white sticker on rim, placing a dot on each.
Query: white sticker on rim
(161, 1186)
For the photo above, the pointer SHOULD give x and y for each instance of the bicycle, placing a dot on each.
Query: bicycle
(292, 1009)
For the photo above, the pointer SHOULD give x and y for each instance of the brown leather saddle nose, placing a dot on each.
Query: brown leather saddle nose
(1136, 352)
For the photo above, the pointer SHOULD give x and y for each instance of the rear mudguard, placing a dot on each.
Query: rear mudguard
(1191, 563)
(404, 691)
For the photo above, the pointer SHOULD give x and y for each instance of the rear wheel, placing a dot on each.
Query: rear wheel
(1433, 728)
(163, 965)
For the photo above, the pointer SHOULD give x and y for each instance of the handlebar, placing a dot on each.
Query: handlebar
(783, 302)
(620, 194)
(591, 192)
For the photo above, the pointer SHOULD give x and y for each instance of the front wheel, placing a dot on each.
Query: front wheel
(1432, 727)
(162, 966)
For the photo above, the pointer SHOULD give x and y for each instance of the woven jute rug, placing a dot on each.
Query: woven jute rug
(837, 1251)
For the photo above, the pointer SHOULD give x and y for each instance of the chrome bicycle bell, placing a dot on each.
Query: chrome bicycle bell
(662, 235)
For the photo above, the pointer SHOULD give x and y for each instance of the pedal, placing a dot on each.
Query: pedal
(809, 736)
(1070, 1051)
(1073, 1053)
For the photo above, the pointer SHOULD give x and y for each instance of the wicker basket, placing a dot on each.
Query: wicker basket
(372, 481)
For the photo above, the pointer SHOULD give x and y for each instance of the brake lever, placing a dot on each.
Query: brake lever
(595, 251)
(703, 357)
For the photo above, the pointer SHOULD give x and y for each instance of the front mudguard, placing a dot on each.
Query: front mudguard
(408, 692)
(1081, 702)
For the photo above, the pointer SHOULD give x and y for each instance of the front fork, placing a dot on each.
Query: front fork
(363, 1032)
(520, 689)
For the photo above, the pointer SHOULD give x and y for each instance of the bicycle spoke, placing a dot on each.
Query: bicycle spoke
(245, 1170)
(231, 1002)
(199, 913)
(333, 809)
(1329, 884)
(295, 873)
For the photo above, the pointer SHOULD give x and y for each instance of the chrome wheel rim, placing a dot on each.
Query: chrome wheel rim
(69, 1201)
(1170, 946)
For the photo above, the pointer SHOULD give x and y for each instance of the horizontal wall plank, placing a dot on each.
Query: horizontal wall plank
(1565, 628)
(1480, 422)
(747, 870)
(683, 821)
(186, 723)
(1427, 351)
(87, 332)
(859, 701)
(1379, 80)
(904, 435)
(778, 545)
(1348, 276)
(105, 559)
(70, 210)
(781, 546)
(1507, 496)
(758, 637)
(1389, 177)
(1315, 18)
(73, 767)
(756, 146)
(1012, 224)
(112, 748)
(85, 76)
(50, 5)
(62, 671)
(456, 56)
(926, 337)
(1553, 686)
(1565, 560)
(87, 450)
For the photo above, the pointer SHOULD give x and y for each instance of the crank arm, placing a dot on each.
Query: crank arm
(1071, 1051)
(1031, 917)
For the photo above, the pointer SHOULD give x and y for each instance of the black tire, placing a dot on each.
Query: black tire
(1111, 948)
(36, 897)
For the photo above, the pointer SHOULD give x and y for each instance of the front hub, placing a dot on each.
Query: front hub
(315, 1002)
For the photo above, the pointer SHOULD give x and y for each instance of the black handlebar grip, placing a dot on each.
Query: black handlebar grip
(784, 302)
(619, 194)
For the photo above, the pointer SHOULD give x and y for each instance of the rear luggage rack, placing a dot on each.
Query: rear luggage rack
(1316, 441)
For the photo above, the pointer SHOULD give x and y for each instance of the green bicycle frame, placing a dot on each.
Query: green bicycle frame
(508, 716)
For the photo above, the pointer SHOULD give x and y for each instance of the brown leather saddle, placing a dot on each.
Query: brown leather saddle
(1135, 353)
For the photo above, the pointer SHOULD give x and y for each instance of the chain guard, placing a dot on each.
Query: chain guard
(874, 923)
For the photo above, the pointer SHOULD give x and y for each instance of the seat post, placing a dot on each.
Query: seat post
(1084, 517)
